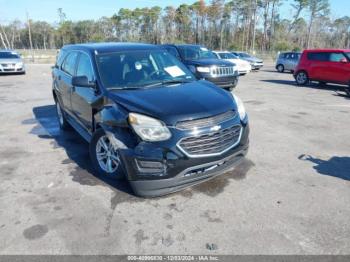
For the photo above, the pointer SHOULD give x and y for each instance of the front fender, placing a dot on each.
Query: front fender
(110, 117)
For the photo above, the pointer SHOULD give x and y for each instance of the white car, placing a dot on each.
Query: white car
(243, 67)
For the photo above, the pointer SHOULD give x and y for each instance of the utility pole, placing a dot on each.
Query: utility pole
(254, 25)
(30, 37)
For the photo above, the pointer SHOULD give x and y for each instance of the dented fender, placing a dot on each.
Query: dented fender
(110, 117)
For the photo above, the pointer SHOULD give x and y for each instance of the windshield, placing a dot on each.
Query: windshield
(195, 52)
(8, 55)
(245, 55)
(227, 56)
(140, 68)
(348, 54)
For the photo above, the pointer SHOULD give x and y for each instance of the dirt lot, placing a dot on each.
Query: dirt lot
(291, 196)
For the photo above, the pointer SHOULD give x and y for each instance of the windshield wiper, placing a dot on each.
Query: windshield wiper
(166, 82)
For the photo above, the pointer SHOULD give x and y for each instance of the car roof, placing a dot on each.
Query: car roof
(182, 45)
(227, 52)
(326, 50)
(109, 47)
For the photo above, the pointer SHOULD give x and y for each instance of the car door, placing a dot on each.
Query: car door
(338, 68)
(82, 98)
(318, 62)
(287, 61)
(65, 79)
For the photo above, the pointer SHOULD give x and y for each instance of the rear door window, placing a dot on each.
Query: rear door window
(68, 65)
(318, 56)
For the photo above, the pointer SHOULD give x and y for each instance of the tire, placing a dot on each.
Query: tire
(302, 78)
(108, 163)
(235, 83)
(280, 68)
(347, 90)
(61, 116)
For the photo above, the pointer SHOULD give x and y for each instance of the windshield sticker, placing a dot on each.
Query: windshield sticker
(138, 66)
(174, 71)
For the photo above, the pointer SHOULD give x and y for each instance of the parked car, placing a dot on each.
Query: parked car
(205, 65)
(11, 62)
(324, 66)
(242, 66)
(147, 117)
(255, 62)
(287, 61)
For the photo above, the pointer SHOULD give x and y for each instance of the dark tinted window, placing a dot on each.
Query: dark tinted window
(172, 50)
(195, 52)
(84, 67)
(336, 57)
(69, 63)
(8, 55)
(321, 56)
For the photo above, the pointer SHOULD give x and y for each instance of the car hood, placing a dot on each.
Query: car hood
(208, 62)
(239, 62)
(254, 59)
(178, 102)
(9, 61)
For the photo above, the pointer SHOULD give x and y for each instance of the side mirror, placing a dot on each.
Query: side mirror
(82, 81)
(343, 60)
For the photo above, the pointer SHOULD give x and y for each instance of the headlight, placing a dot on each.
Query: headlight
(203, 69)
(149, 129)
(240, 106)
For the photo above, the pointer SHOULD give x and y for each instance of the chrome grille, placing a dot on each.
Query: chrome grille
(7, 65)
(222, 71)
(205, 122)
(211, 144)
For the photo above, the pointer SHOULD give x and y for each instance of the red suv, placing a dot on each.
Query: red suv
(324, 66)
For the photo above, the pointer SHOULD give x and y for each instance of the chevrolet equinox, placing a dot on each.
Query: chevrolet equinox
(146, 117)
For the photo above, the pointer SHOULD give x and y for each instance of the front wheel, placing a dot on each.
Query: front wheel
(105, 156)
(302, 78)
(347, 90)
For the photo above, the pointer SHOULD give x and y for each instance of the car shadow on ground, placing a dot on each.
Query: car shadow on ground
(313, 85)
(335, 166)
(76, 147)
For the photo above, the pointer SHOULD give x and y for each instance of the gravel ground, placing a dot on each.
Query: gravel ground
(291, 195)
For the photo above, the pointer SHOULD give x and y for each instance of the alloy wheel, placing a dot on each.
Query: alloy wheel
(107, 157)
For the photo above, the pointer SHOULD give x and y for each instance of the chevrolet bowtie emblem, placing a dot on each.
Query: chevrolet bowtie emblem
(215, 128)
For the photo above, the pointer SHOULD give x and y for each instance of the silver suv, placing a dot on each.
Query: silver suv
(287, 61)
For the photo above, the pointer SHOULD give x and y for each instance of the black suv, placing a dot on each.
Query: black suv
(205, 64)
(147, 117)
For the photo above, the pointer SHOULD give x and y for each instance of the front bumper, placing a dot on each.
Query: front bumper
(8, 70)
(257, 66)
(223, 82)
(179, 171)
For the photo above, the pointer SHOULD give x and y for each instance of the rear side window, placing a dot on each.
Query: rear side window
(318, 56)
(336, 57)
(85, 68)
(68, 65)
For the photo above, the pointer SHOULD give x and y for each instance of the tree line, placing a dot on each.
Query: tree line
(218, 24)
